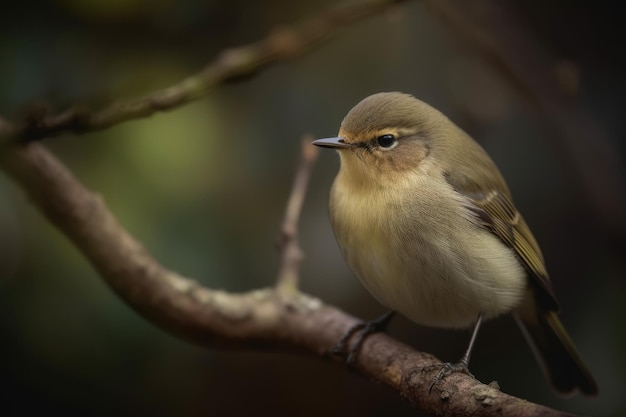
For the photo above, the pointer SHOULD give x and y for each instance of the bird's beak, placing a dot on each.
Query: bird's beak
(335, 143)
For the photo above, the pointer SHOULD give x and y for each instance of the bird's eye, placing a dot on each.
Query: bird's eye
(386, 141)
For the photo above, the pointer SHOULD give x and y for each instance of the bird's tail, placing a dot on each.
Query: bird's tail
(554, 350)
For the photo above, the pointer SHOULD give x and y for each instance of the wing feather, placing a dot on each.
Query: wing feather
(503, 220)
(498, 214)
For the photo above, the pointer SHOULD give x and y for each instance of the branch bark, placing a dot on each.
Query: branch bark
(264, 318)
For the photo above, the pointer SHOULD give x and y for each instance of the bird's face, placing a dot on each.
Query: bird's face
(384, 135)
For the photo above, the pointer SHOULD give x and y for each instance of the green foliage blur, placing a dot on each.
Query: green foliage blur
(204, 187)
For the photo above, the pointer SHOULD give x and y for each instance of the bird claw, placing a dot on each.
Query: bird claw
(447, 369)
(365, 329)
(341, 348)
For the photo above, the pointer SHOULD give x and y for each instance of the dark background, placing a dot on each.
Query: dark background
(204, 187)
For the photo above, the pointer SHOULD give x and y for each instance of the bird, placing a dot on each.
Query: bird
(425, 220)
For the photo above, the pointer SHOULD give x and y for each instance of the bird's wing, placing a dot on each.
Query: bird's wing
(497, 213)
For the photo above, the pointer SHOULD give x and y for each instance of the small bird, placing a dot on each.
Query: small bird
(425, 220)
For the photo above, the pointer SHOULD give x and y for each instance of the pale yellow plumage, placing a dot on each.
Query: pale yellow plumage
(457, 279)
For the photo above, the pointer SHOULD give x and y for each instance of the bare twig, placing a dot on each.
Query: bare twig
(237, 63)
(291, 253)
(257, 319)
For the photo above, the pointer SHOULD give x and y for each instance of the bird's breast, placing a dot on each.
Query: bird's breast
(418, 249)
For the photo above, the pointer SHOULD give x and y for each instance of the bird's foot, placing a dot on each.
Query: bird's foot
(450, 368)
(364, 329)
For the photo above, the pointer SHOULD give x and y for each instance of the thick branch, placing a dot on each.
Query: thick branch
(233, 64)
(261, 318)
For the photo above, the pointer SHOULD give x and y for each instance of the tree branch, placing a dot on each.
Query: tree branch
(263, 318)
(231, 65)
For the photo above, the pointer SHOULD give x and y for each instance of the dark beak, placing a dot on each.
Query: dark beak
(335, 143)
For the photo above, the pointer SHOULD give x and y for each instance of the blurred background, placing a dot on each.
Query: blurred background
(204, 187)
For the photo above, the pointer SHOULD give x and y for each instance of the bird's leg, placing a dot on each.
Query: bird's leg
(463, 364)
(365, 329)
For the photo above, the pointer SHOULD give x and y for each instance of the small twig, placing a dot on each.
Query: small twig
(231, 65)
(288, 244)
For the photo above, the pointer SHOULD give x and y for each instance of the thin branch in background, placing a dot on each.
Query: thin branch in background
(231, 65)
(490, 29)
(291, 253)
